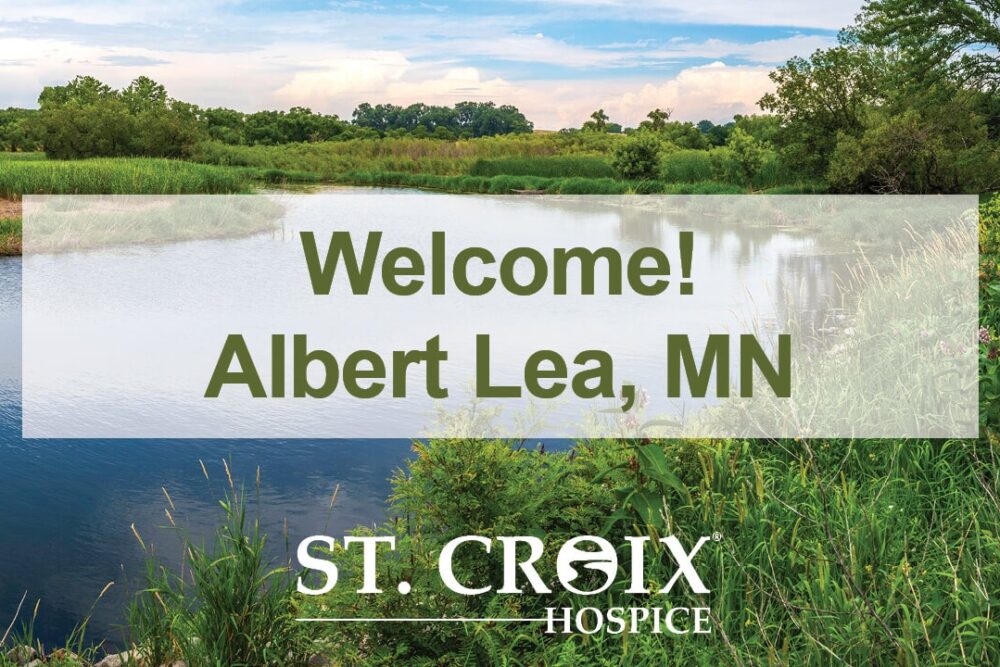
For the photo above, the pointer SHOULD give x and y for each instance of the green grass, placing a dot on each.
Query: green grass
(10, 237)
(506, 184)
(331, 159)
(686, 166)
(553, 166)
(20, 176)
(229, 605)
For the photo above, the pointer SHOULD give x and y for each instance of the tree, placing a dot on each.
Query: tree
(637, 157)
(87, 118)
(598, 122)
(747, 153)
(15, 130)
(961, 36)
(473, 119)
(715, 134)
(819, 97)
(657, 120)
(144, 94)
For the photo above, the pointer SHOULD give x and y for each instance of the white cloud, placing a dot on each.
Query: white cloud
(716, 91)
(766, 51)
(825, 14)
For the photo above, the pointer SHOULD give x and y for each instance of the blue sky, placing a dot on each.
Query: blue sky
(556, 60)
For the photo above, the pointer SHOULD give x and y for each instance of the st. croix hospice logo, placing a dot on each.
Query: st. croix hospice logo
(520, 554)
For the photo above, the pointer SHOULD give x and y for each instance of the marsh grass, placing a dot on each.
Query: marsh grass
(229, 604)
(20, 646)
(507, 184)
(10, 237)
(20, 177)
(404, 154)
(554, 166)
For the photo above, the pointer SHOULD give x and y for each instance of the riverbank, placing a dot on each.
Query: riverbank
(10, 227)
(515, 165)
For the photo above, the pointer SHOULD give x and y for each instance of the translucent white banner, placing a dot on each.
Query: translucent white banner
(681, 316)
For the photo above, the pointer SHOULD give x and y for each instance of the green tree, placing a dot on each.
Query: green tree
(748, 154)
(598, 122)
(15, 130)
(144, 94)
(656, 119)
(87, 118)
(818, 98)
(962, 36)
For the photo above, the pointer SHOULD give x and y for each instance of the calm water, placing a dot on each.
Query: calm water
(66, 506)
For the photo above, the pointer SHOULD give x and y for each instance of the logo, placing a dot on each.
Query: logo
(585, 565)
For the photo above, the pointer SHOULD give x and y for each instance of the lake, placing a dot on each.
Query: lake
(66, 506)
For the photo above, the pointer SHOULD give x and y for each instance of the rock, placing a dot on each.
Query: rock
(126, 659)
(318, 660)
(34, 663)
(22, 655)
(63, 655)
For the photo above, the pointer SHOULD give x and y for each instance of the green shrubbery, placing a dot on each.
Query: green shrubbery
(638, 157)
(824, 550)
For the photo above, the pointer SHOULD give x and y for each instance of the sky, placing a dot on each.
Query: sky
(557, 60)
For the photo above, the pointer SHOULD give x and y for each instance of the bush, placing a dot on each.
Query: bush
(638, 157)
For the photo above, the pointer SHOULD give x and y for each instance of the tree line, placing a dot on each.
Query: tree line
(88, 118)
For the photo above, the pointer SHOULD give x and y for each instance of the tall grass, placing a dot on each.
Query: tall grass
(10, 237)
(506, 184)
(555, 166)
(403, 154)
(229, 607)
(116, 176)
(686, 166)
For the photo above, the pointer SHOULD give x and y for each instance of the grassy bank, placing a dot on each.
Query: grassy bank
(22, 176)
(10, 237)
(581, 163)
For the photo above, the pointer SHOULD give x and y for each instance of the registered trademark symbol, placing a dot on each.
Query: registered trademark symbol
(716, 537)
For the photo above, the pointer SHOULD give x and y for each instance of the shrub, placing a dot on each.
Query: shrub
(638, 157)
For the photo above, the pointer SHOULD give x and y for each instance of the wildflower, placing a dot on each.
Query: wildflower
(985, 336)
(993, 354)
(630, 422)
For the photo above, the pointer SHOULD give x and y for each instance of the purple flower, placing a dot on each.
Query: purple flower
(985, 336)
